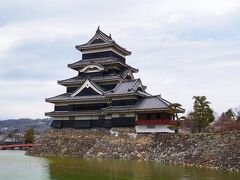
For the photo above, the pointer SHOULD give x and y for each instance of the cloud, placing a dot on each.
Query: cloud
(191, 46)
(215, 77)
(16, 34)
(162, 15)
(26, 98)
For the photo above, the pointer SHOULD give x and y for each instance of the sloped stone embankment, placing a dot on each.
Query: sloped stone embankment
(221, 150)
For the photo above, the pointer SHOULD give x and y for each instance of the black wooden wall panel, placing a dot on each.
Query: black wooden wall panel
(87, 92)
(123, 121)
(82, 124)
(102, 55)
(101, 123)
(124, 102)
(56, 124)
(71, 89)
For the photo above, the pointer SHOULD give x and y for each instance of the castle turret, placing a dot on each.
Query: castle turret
(106, 94)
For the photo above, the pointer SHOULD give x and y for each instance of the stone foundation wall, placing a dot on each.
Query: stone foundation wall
(220, 150)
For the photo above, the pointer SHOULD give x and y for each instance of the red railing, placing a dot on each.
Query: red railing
(157, 121)
(12, 146)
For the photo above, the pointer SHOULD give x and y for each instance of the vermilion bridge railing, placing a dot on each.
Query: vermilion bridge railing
(157, 121)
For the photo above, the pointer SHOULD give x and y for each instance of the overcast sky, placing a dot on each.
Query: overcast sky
(181, 48)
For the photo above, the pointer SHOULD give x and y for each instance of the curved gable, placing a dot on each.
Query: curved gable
(88, 88)
(97, 41)
(92, 68)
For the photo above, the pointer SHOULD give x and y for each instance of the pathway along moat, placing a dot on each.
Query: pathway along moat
(16, 165)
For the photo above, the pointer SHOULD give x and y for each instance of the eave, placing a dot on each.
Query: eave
(69, 100)
(112, 44)
(121, 95)
(80, 81)
(72, 113)
(133, 109)
(101, 61)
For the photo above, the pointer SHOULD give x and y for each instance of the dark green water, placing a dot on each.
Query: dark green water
(16, 165)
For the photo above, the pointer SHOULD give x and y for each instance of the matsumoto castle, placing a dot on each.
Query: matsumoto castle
(105, 93)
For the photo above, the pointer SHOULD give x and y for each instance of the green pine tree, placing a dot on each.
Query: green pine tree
(174, 108)
(202, 114)
(29, 136)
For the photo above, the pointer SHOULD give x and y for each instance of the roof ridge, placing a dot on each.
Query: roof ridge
(164, 100)
(67, 79)
(93, 79)
(94, 84)
(98, 32)
(135, 84)
(93, 59)
(89, 45)
(144, 93)
(107, 42)
(152, 96)
(57, 96)
(128, 80)
(98, 88)
(125, 72)
(101, 32)
(118, 84)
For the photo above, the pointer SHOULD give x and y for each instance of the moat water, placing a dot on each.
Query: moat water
(15, 165)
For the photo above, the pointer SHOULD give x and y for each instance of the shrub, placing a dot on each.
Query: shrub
(224, 123)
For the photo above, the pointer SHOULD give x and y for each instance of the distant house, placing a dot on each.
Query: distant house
(106, 94)
(11, 140)
(3, 129)
(2, 137)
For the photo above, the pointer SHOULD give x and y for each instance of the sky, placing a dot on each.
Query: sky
(182, 48)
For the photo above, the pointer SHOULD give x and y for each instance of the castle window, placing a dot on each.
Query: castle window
(151, 126)
(71, 118)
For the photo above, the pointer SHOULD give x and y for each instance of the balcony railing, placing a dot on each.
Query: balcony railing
(157, 121)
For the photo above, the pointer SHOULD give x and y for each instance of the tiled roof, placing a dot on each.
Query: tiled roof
(106, 42)
(77, 79)
(127, 70)
(67, 97)
(99, 35)
(144, 104)
(105, 78)
(101, 61)
(126, 86)
(73, 113)
(147, 103)
(151, 102)
(103, 45)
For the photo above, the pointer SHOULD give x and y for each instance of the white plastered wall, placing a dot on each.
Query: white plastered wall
(158, 128)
